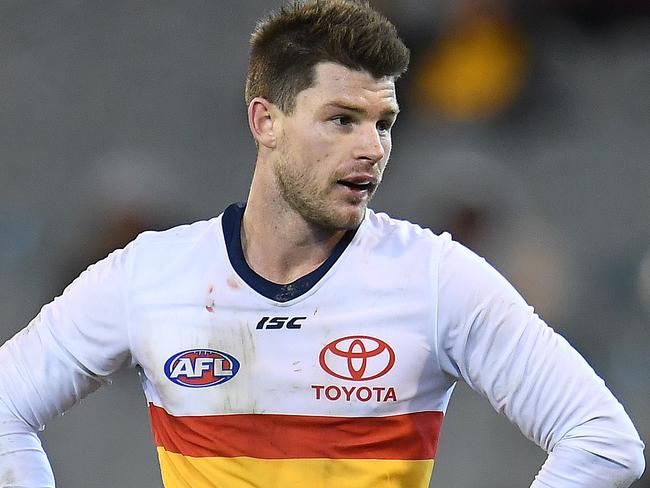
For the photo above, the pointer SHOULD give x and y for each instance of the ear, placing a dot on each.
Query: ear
(261, 120)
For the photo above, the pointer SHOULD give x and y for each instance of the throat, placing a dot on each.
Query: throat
(282, 258)
(274, 268)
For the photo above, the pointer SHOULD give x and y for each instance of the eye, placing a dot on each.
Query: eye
(384, 125)
(342, 120)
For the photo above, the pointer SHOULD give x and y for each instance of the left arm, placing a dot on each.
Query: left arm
(493, 340)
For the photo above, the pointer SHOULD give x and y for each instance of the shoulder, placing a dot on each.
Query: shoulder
(185, 233)
(456, 266)
(383, 230)
(159, 249)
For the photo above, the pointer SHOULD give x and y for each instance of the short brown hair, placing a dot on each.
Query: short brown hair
(286, 46)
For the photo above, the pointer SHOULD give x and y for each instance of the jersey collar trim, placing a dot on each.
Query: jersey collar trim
(231, 223)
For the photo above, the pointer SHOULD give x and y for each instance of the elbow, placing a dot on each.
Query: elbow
(637, 463)
(612, 456)
(629, 462)
(632, 453)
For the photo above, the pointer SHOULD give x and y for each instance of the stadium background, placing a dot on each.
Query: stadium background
(525, 131)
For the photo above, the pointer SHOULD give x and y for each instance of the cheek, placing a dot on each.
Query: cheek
(388, 146)
(313, 145)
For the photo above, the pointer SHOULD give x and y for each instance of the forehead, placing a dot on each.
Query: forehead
(335, 83)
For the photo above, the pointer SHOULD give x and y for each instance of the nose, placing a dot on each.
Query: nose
(371, 145)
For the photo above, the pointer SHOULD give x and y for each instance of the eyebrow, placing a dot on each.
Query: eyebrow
(352, 108)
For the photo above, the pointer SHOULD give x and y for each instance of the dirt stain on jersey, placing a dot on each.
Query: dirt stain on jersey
(233, 283)
(240, 343)
(247, 341)
(209, 302)
(8, 478)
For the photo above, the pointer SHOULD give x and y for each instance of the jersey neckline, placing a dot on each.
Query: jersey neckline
(231, 224)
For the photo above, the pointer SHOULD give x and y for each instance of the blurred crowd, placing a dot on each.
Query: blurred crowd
(523, 132)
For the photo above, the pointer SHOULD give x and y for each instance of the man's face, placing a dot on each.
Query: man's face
(333, 148)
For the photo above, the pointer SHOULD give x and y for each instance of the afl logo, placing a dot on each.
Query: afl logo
(200, 368)
(357, 358)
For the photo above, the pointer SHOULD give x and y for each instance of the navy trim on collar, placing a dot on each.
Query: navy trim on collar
(231, 222)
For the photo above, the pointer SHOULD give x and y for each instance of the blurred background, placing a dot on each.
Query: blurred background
(525, 132)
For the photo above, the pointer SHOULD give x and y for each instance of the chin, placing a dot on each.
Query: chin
(335, 217)
(350, 219)
(337, 222)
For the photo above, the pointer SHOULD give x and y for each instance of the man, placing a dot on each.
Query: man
(302, 339)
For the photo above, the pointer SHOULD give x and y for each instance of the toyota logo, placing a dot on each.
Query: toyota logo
(357, 358)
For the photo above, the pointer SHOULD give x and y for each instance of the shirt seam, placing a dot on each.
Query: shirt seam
(127, 308)
(436, 332)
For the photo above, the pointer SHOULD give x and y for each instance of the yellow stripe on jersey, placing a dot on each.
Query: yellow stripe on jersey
(180, 471)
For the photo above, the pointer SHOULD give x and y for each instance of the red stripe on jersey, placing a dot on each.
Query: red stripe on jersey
(269, 436)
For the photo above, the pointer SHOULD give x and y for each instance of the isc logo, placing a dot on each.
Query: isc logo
(280, 322)
(199, 368)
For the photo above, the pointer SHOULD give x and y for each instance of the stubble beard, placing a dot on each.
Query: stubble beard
(304, 197)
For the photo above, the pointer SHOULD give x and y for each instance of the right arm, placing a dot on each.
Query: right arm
(65, 353)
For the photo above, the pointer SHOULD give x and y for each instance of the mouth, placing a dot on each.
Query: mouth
(359, 185)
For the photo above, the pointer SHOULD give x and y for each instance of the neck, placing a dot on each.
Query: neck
(278, 243)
